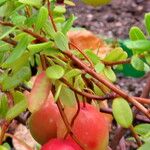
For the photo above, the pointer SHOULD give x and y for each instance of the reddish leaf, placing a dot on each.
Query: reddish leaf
(39, 92)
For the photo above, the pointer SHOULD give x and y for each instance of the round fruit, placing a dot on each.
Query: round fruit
(90, 127)
(43, 123)
(60, 144)
(96, 2)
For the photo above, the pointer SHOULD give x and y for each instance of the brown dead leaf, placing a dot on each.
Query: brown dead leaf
(23, 134)
(84, 39)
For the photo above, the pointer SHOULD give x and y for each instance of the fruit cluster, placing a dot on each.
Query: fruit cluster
(47, 126)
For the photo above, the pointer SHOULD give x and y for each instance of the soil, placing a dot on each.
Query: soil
(112, 20)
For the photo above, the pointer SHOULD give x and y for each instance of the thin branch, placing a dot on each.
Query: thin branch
(4, 129)
(88, 95)
(85, 56)
(50, 15)
(134, 134)
(146, 89)
(107, 83)
(68, 126)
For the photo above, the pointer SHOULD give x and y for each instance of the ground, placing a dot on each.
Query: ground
(113, 20)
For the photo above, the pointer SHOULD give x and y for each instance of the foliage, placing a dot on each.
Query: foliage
(34, 39)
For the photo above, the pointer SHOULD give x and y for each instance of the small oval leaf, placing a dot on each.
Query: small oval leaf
(61, 41)
(145, 146)
(122, 112)
(137, 63)
(55, 72)
(136, 33)
(147, 22)
(41, 18)
(39, 92)
(142, 129)
(109, 73)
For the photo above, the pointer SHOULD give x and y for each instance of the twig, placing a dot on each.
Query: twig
(146, 89)
(85, 94)
(69, 129)
(85, 56)
(50, 15)
(4, 130)
(107, 83)
(134, 134)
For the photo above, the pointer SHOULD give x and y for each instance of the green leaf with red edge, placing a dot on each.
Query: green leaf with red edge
(39, 92)
(122, 112)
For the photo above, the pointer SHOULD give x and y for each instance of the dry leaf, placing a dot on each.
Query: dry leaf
(85, 39)
(23, 134)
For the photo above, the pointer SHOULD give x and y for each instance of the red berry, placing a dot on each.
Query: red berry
(60, 144)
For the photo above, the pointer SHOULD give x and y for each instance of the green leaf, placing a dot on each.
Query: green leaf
(11, 82)
(3, 106)
(61, 41)
(36, 48)
(41, 18)
(147, 22)
(94, 58)
(7, 32)
(116, 54)
(139, 46)
(72, 73)
(79, 83)
(122, 112)
(49, 29)
(137, 63)
(145, 146)
(147, 58)
(19, 63)
(135, 33)
(58, 90)
(36, 3)
(3, 148)
(4, 47)
(55, 72)
(60, 9)
(142, 129)
(99, 67)
(60, 19)
(17, 109)
(67, 96)
(17, 96)
(2, 2)
(17, 19)
(109, 73)
(17, 51)
(68, 24)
